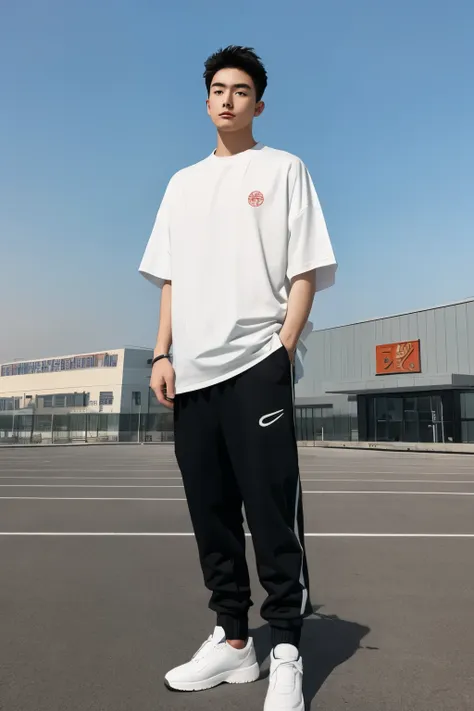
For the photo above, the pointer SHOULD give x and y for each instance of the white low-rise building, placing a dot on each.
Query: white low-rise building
(54, 392)
(111, 382)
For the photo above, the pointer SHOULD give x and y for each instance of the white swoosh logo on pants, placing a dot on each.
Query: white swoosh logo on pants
(265, 422)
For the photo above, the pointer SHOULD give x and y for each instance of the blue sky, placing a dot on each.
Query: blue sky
(103, 101)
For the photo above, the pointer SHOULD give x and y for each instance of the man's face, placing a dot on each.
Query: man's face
(232, 103)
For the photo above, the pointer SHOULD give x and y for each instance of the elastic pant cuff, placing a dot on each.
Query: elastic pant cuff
(234, 627)
(289, 635)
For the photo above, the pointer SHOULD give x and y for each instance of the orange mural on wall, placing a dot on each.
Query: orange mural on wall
(398, 358)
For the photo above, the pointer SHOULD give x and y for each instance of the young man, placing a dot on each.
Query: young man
(239, 248)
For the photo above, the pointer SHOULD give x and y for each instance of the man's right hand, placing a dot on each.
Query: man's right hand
(162, 382)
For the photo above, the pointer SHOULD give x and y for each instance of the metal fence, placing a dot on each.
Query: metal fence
(85, 427)
(137, 427)
(311, 427)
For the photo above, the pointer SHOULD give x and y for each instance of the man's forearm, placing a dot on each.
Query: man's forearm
(164, 339)
(300, 301)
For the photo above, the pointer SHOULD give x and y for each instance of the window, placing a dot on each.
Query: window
(69, 400)
(467, 430)
(389, 409)
(77, 399)
(467, 406)
(54, 365)
(6, 403)
(137, 398)
(106, 398)
(424, 417)
(318, 422)
(110, 360)
(467, 416)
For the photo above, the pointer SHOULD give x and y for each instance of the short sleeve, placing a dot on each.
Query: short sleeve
(309, 246)
(156, 262)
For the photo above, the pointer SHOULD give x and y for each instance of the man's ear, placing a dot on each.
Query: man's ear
(259, 108)
(208, 107)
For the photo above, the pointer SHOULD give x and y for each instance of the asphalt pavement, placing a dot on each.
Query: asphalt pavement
(101, 591)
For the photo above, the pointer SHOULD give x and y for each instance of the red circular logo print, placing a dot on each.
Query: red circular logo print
(256, 198)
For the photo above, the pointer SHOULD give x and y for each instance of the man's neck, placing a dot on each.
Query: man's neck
(229, 144)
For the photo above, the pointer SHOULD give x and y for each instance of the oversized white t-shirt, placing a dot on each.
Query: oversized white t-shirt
(230, 234)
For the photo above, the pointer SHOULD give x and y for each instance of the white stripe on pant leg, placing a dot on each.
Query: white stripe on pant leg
(304, 592)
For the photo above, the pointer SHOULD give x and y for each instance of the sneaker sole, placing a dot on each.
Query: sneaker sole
(270, 706)
(238, 676)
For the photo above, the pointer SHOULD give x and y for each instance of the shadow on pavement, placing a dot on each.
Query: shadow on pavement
(326, 643)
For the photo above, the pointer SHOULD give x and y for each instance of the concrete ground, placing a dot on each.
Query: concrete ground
(92, 622)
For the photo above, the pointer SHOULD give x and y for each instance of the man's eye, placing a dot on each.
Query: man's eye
(218, 91)
(242, 93)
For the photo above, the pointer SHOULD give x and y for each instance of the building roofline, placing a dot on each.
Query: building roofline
(397, 315)
(73, 355)
(64, 355)
(138, 348)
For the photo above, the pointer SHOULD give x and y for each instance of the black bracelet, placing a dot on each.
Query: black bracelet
(160, 357)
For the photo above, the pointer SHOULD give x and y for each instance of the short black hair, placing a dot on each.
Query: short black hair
(234, 57)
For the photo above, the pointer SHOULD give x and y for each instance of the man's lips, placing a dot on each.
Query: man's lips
(227, 114)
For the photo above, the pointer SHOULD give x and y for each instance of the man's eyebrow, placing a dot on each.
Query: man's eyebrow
(235, 86)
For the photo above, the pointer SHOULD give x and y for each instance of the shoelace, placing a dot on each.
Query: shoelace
(205, 648)
(199, 654)
(286, 672)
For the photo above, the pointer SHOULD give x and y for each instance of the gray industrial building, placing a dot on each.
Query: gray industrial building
(403, 378)
(407, 378)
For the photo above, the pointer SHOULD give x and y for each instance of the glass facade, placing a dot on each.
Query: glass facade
(467, 406)
(316, 423)
(9, 403)
(85, 427)
(63, 400)
(436, 416)
(467, 416)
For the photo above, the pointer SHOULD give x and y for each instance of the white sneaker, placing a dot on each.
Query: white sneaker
(285, 691)
(214, 663)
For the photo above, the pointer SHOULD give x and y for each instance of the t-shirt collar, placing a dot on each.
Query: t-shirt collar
(225, 159)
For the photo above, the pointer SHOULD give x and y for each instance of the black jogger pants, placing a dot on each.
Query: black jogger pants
(235, 445)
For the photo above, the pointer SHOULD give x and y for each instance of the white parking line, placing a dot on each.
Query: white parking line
(403, 471)
(389, 535)
(191, 535)
(394, 493)
(400, 481)
(92, 486)
(178, 478)
(37, 470)
(98, 478)
(321, 492)
(83, 498)
(306, 474)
